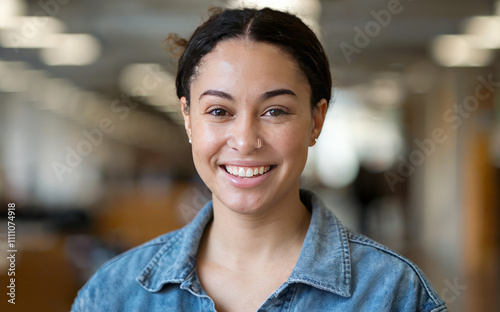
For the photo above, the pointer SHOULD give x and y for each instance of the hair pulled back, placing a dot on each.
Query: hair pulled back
(265, 25)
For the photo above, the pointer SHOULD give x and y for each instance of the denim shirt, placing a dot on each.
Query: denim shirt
(337, 270)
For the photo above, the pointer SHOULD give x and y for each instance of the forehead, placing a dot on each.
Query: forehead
(242, 62)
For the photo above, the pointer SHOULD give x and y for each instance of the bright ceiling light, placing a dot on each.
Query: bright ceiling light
(142, 79)
(152, 82)
(10, 9)
(165, 95)
(71, 49)
(484, 31)
(30, 32)
(458, 50)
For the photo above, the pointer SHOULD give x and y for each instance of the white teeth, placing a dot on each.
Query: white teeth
(246, 172)
(241, 172)
(249, 173)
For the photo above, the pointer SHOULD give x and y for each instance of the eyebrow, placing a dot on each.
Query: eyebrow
(277, 92)
(217, 93)
(266, 96)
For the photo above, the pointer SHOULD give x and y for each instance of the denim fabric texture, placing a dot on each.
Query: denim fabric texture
(336, 271)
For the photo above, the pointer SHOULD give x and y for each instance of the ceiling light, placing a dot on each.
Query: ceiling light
(140, 79)
(152, 82)
(10, 9)
(71, 49)
(484, 31)
(28, 32)
(458, 50)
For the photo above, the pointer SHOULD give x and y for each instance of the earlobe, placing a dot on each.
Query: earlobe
(319, 114)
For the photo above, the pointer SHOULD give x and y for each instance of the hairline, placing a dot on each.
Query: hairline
(247, 38)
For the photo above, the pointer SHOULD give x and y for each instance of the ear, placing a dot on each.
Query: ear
(319, 114)
(187, 117)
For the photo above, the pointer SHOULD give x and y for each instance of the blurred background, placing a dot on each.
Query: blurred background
(95, 158)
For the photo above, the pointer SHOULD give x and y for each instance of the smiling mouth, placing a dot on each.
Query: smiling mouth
(247, 172)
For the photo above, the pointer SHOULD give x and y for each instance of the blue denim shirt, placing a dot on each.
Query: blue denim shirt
(336, 271)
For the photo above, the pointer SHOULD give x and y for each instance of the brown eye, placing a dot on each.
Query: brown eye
(218, 112)
(275, 112)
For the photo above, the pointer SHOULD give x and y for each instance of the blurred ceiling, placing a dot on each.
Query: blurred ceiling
(404, 41)
(132, 32)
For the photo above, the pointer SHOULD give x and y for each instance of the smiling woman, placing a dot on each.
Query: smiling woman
(254, 86)
(246, 92)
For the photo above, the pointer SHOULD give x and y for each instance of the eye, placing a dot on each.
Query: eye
(218, 112)
(275, 112)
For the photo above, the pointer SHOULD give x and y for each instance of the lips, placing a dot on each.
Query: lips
(247, 172)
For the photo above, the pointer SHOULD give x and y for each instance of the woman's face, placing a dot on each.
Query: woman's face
(251, 124)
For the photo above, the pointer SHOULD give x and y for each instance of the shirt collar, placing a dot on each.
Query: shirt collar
(324, 260)
(175, 261)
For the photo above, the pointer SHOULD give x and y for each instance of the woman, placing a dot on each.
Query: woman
(254, 87)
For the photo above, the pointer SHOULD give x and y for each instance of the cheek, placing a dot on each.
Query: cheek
(203, 153)
(207, 141)
(292, 141)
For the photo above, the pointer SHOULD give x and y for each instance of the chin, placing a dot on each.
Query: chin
(244, 201)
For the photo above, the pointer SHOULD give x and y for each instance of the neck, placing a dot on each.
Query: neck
(239, 239)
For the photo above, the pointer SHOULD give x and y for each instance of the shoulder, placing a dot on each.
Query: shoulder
(372, 276)
(121, 272)
(138, 257)
(364, 248)
(376, 268)
(132, 280)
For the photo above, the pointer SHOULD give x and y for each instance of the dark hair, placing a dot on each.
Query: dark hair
(266, 25)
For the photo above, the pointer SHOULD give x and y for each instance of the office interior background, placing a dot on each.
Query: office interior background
(94, 155)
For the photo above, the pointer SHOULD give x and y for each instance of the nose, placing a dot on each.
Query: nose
(244, 134)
